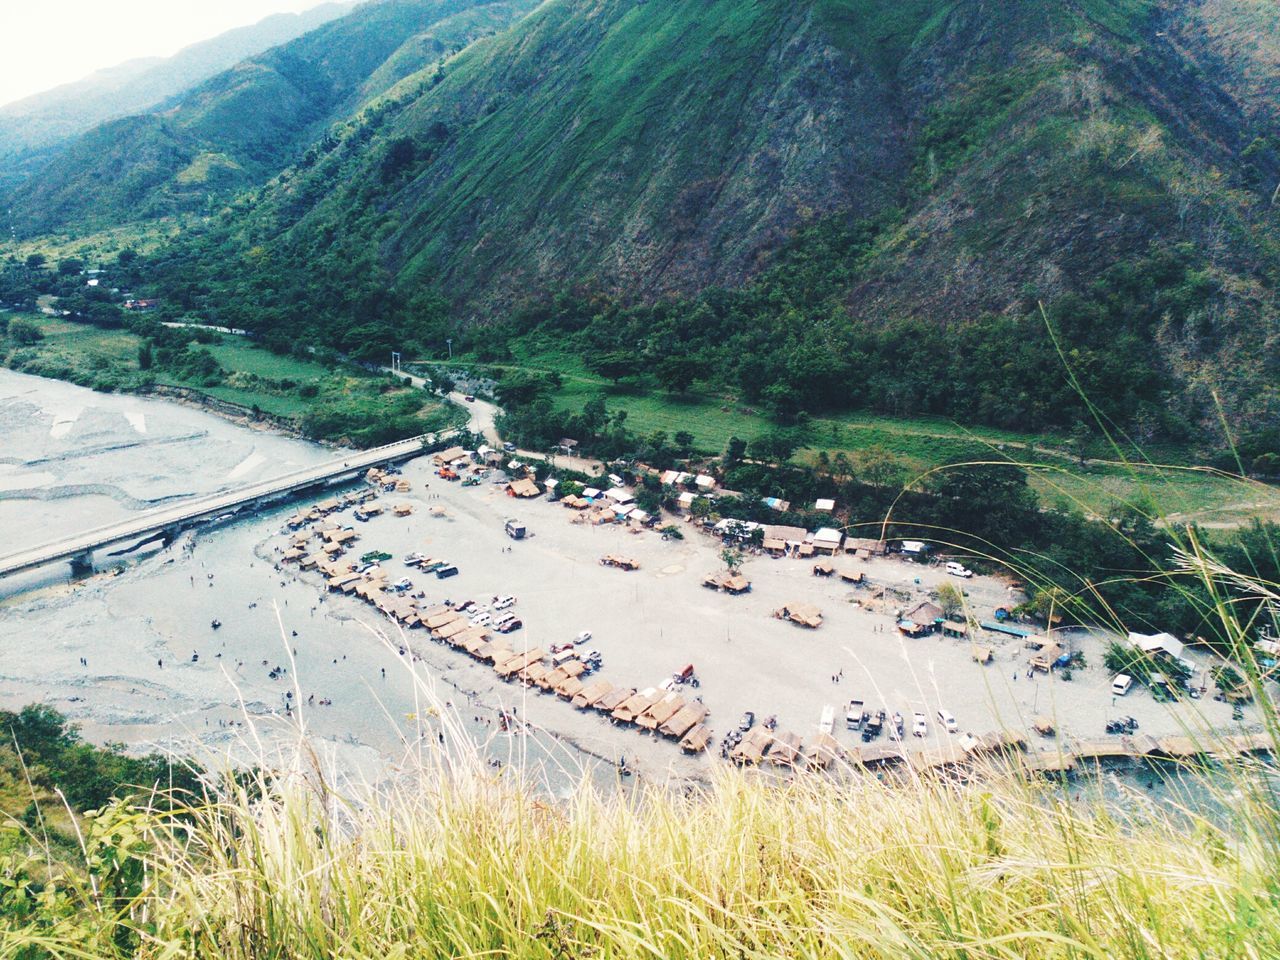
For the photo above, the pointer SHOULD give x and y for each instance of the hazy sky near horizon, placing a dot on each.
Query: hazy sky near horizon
(48, 42)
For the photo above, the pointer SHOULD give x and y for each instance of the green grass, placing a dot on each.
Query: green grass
(108, 359)
(926, 443)
(237, 354)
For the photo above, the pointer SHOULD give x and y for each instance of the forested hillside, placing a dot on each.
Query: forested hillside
(823, 204)
(31, 129)
(247, 123)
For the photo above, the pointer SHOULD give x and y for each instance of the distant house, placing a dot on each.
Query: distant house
(864, 547)
(774, 503)
(705, 482)
(924, 617)
(915, 548)
(567, 446)
(522, 488)
(1152, 644)
(450, 456)
(827, 540)
(790, 536)
(824, 506)
(141, 305)
(620, 496)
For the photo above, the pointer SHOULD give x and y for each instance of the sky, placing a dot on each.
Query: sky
(48, 42)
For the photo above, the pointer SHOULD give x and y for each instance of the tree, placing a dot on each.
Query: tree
(732, 558)
(735, 451)
(613, 365)
(35, 261)
(24, 332)
(951, 600)
(677, 373)
(778, 446)
(70, 267)
(701, 507)
(146, 355)
(684, 442)
(876, 466)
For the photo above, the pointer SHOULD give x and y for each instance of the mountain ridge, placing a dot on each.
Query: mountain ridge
(36, 124)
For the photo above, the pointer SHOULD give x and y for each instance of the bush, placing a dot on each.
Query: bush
(24, 332)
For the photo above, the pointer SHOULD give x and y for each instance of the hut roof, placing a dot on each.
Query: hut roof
(683, 720)
(592, 692)
(661, 712)
(696, 740)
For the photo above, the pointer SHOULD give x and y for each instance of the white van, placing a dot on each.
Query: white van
(958, 569)
(1120, 684)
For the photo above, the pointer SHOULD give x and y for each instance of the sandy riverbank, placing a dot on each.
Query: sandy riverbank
(651, 622)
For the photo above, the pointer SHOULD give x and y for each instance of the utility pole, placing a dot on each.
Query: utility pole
(450, 343)
(395, 361)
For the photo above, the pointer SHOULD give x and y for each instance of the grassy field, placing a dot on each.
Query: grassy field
(95, 247)
(345, 398)
(925, 444)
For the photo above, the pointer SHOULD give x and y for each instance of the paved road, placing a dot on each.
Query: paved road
(177, 515)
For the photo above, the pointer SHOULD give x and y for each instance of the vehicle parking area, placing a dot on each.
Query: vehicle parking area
(650, 623)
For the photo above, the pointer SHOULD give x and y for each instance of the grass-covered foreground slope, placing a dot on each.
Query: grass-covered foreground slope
(474, 865)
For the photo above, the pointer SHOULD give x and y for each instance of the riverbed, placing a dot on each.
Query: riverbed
(132, 654)
(129, 654)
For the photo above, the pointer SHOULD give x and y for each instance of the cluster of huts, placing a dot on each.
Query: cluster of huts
(657, 710)
(761, 744)
(318, 511)
(619, 562)
(782, 540)
(389, 482)
(731, 583)
(804, 614)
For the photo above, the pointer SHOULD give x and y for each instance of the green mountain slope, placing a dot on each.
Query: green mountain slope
(243, 125)
(822, 203)
(31, 127)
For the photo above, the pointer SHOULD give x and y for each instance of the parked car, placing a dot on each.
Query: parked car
(948, 721)
(919, 725)
(748, 721)
(469, 398)
(896, 729)
(854, 715)
(447, 571)
(509, 447)
(503, 602)
(583, 637)
(507, 626)
(958, 570)
(482, 618)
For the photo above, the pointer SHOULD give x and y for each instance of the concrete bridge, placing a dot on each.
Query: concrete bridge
(166, 522)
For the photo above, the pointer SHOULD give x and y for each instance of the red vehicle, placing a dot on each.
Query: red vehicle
(686, 675)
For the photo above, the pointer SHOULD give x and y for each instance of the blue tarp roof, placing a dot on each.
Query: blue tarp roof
(1008, 628)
